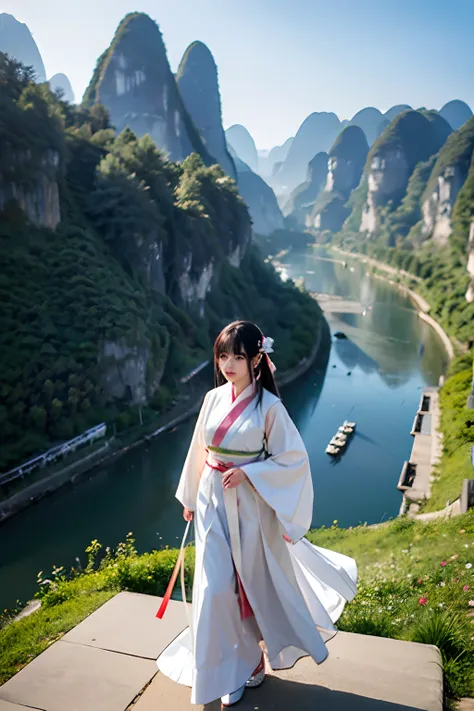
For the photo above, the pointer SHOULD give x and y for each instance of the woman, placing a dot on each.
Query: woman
(258, 584)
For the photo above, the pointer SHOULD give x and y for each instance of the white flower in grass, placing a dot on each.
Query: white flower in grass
(468, 566)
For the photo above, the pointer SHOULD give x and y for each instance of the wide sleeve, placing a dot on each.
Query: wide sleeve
(188, 485)
(283, 480)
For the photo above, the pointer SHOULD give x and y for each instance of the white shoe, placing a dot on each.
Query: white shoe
(231, 699)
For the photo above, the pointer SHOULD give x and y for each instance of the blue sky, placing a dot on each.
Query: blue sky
(280, 60)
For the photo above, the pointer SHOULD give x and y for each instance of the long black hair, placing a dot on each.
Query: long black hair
(245, 338)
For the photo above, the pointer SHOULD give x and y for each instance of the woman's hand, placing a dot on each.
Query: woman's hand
(188, 514)
(233, 477)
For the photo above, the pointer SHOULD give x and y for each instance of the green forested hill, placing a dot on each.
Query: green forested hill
(106, 311)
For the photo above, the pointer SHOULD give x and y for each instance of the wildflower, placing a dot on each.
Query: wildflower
(405, 550)
(410, 575)
(471, 603)
(466, 545)
(453, 557)
(469, 566)
(466, 588)
(463, 530)
(335, 522)
(442, 583)
(389, 607)
(419, 581)
(443, 563)
(424, 600)
(440, 604)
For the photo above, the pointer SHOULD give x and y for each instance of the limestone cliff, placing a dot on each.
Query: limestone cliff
(134, 81)
(456, 113)
(301, 202)
(345, 165)
(260, 198)
(128, 373)
(38, 200)
(61, 82)
(316, 134)
(17, 41)
(198, 85)
(446, 180)
(31, 149)
(242, 144)
(409, 139)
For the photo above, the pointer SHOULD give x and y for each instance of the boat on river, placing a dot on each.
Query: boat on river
(341, 439)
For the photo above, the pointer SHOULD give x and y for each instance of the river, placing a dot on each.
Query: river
(390, 354)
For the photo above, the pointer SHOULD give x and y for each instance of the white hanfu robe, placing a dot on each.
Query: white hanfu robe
(296, 590)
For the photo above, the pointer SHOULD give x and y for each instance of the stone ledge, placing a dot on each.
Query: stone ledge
(107, 663)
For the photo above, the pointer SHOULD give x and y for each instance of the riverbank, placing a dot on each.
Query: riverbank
(420, 302)
(112, 449)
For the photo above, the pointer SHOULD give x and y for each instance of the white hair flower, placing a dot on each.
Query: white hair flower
(267, 344)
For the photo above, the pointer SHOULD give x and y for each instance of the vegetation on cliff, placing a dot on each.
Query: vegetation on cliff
(351, 145)
(411, 132)
(198, 85)
(399, 239)
(457, 152)
(136, 234)
(346, 162)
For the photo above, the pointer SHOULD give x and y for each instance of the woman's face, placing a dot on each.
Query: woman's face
(234, 368)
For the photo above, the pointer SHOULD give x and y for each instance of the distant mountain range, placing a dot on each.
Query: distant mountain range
(286, 167)
(313, 174)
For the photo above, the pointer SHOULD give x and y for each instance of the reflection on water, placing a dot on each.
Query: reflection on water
(136, 492)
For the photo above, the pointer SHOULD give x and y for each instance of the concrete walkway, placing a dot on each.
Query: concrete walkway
(425, 454)
(107, 663)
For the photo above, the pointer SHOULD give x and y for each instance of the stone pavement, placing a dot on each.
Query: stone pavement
(107, 663)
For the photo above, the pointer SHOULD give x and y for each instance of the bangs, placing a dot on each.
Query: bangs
(230, 342)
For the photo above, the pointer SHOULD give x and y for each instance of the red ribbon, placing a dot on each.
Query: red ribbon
(174, 575)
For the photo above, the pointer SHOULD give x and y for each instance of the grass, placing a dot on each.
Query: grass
(24, 640)
(416, 583)
(68, 598)
(449, 476)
